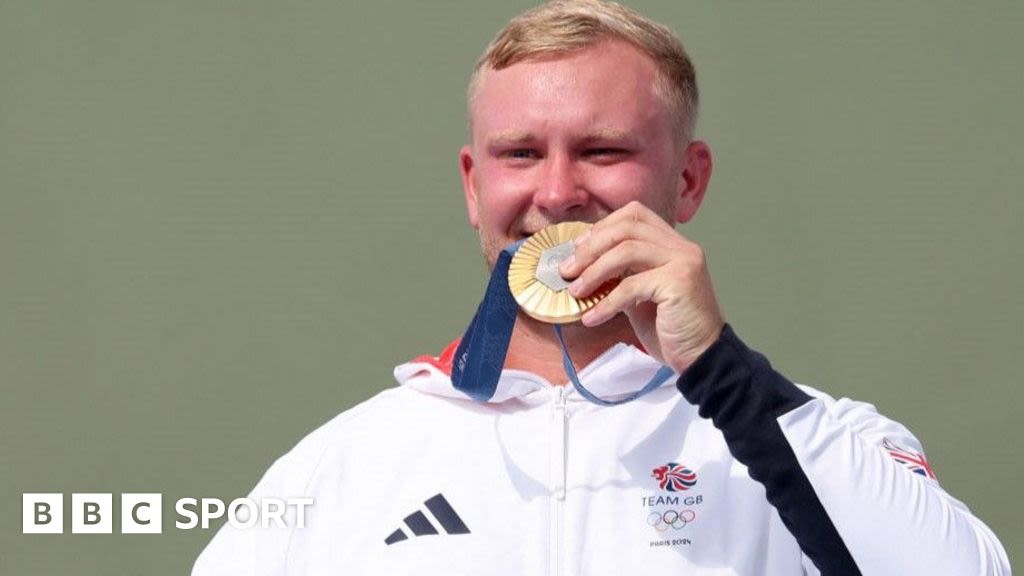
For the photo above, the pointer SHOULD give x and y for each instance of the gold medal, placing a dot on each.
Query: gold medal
(537, 285)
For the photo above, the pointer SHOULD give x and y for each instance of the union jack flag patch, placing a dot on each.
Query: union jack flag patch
(913, 461)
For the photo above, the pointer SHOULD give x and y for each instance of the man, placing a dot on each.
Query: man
(584, 111)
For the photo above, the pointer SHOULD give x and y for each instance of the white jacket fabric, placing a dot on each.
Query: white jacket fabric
(731, 471)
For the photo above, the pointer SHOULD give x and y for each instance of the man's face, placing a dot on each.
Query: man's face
(572, 137)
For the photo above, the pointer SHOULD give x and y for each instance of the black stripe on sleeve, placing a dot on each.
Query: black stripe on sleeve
(743, 396)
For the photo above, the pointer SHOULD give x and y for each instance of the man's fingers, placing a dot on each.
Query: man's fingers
(626, 257)
(630, 292)
(600, 240)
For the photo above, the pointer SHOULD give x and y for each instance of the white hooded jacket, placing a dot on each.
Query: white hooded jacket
(742, 473)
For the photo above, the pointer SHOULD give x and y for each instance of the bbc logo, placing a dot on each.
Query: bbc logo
(90, 513)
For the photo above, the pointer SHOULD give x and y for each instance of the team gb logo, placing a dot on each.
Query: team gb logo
(674, 477)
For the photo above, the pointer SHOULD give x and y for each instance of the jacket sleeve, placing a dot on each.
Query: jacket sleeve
(262, 550)
(843, 478)
(255, 551)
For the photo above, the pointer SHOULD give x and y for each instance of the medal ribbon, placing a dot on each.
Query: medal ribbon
(663, 373)
(480, 356)
(481, 353)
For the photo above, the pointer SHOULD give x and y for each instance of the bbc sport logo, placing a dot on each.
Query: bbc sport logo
(43, 513)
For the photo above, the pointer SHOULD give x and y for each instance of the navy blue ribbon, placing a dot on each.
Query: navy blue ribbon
(481, 353)
(480, 356)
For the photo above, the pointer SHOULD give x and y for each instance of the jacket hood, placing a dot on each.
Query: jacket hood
(617, 372)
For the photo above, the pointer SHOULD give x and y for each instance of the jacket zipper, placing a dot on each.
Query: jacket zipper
(559, 423)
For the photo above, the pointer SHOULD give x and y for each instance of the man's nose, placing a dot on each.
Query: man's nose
(560, 190)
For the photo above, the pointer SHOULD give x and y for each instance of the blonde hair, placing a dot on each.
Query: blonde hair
(568, 25)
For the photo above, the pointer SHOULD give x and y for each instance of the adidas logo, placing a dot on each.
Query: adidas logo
(418, 522)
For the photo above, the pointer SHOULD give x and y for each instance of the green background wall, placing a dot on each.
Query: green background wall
(221, 223)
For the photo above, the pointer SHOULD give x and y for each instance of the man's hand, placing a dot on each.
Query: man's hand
(665, 290)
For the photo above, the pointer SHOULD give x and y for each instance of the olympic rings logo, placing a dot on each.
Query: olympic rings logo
(662, 521)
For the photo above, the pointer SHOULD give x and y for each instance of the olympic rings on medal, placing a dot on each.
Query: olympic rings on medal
(662, 521)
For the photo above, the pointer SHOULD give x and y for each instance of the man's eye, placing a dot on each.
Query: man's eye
(605, 152)
(521, 153)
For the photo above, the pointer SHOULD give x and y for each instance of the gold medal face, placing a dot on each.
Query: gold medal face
(535, 282)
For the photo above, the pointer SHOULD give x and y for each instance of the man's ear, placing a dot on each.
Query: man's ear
(468, 187)
(693, 182)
